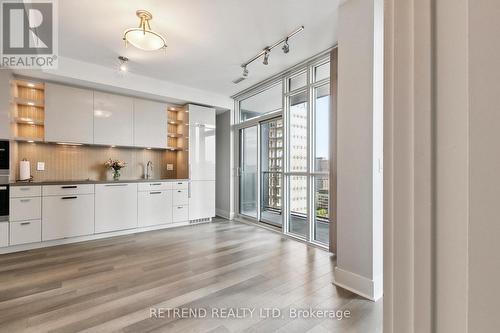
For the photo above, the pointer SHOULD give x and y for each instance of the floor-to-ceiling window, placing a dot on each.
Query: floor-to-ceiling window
(290, 118)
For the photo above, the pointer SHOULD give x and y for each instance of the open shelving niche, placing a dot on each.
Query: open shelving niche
(178, 138)
(28, 106)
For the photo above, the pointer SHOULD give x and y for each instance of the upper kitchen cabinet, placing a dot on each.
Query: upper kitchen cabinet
(113, 119)
(5, 78)
(201, 143)
(150, 124)
(68, 114)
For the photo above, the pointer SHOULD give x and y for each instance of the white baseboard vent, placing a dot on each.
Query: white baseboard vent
(198, 221)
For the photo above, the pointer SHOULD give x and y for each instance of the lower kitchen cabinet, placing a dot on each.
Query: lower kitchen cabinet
(67, 216)
(115, 207)
(4, 234)
(201, 199)
(24, 232)
(154, 208)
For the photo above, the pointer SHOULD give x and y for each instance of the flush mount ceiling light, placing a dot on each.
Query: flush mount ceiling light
(266, 51)
(143, 37)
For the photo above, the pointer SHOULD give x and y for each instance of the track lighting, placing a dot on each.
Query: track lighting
(266, 57)
(286, 47)
(123, 67)
(265, 52)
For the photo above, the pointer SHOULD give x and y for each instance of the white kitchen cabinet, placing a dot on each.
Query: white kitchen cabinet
(201, 199)
(5, 77)
(150, 124)
(115, 207)
(68, 114)
(180, 214)
(180, 197)
(201, 143)
(154, 186)
(67, 216)
(113, 119)
(25, 191)
(24, 232)
(4, 234)
(62, 190)
(154, 208)
(22, 209)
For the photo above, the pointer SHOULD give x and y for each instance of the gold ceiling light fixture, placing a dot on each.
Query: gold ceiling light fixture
(143, 37)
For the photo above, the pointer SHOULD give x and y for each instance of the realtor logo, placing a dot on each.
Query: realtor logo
(29, 34)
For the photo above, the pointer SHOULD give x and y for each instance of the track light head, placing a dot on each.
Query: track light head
(123, 67)
(245, 71)
(286, 47)
(266, 57)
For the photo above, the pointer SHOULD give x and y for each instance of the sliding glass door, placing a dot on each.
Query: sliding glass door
(248, 195)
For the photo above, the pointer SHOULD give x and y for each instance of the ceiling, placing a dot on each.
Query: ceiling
(207, 40)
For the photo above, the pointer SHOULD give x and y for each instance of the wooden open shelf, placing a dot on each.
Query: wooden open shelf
(28, 102)
(178, 136)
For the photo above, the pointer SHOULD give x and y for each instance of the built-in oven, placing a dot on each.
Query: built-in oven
(4, 181)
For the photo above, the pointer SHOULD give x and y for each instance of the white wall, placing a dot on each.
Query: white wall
(223, 162)
(5, 76)
(359, 147)
(484, 155)
(107, 78)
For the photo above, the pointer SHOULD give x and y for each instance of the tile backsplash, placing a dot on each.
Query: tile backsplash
(63, 162)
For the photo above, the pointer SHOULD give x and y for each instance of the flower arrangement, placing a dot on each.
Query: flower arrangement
(116, 165)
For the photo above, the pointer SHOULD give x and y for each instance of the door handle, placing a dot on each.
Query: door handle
(68, 198)
(66, 187)
(114, 185)
(25, 200)
(154, 192)
(25, 223)
(189, 190)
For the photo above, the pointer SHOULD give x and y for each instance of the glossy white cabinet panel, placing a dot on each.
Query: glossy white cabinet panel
(150, 124)
(155, 207)
(68, 114)
(202, 199)
(67, 216)
(61, 190)
(113, 119)
(180, 214)
(25, 232)
(155, 186)
(115, 207)
(5, 77)
(4, 234)
(201, 115)
(22, 209)
(25, 191)
(201, 152)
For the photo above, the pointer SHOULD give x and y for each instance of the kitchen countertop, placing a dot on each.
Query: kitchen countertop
(90, 181)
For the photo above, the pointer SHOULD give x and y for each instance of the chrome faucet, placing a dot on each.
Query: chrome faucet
(148, 174)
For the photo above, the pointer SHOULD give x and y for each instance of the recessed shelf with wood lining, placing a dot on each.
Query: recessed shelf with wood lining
(28, 116)
(177, 137)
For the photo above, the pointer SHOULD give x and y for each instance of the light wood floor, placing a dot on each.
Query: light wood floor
(110, 285)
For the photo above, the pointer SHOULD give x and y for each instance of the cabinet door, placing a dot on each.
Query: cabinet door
(155, 207)
(5, 78)
(201, 143)
(115, 207)
(150, 124)
(201, 199)
(67, 216)
(68, 114)
(113, 120)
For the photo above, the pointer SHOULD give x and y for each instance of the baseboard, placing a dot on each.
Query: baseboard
(370, 289)
(223, 213)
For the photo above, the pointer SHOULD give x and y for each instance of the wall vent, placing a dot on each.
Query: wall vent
(198, 221)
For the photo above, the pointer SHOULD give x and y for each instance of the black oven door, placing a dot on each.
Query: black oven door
(4, 155)
(4, 201)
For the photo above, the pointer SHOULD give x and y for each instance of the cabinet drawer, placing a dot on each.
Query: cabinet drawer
(180, 213)
(155, 186)
(25, 191)
(68, 189)
(25, 232)
(22, 209)
(179, 185)
(155, 207)
(4, 234)
(180, 197)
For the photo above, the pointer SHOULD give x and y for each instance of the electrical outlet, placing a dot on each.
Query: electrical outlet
(40, 166)
(170, 167)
